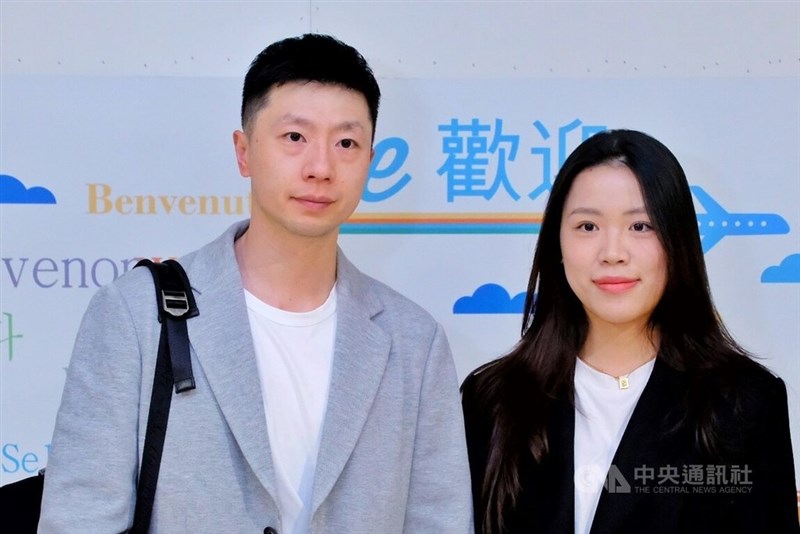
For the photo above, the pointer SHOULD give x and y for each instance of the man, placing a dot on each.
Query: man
(325, 401)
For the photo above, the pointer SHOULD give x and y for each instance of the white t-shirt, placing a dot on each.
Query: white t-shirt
(602, 411)
(294, 354)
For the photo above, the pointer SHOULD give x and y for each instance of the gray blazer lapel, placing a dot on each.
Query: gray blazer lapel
(223, 344)
(361, 352)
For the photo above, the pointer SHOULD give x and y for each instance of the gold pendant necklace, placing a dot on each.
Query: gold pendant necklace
(623, 382)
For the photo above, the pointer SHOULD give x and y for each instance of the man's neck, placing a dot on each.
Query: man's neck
(294, 275)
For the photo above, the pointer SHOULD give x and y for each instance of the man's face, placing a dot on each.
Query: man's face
(307, 153)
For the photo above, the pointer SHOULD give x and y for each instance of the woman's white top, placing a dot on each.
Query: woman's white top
(294, 354)
(603, 407)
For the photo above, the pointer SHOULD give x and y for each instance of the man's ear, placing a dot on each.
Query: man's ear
(240, 145)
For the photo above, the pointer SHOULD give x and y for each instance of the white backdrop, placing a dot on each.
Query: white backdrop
(104, 105)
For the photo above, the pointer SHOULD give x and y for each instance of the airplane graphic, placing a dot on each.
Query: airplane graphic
(713, 225)
(717, 223)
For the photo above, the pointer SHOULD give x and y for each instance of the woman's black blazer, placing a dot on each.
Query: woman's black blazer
(760, 497)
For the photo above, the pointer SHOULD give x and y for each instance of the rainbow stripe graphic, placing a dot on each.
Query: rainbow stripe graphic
(443, 223)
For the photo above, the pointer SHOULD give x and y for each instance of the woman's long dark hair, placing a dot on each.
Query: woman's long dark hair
(541, 366)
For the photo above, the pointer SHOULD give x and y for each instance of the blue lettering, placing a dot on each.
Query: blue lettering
(27, 459)
(400, 148)
(15, 461)
(7, 455)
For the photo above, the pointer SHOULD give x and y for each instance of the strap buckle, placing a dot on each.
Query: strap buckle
(175, 303)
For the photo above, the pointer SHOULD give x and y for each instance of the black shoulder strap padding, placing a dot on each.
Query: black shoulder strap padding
(175, 280)
(173, 368)
(176, 304)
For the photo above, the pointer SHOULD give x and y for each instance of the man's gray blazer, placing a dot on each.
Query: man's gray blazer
(392, 455)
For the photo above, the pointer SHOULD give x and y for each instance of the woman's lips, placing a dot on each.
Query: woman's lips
(615, 284)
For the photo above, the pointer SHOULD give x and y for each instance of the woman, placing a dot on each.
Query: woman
(626, 406)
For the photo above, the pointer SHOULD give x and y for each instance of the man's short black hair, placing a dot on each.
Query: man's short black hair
(309, 58)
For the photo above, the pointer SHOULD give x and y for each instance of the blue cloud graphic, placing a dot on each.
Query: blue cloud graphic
(490, 298)
(12, 191)
(788, 272)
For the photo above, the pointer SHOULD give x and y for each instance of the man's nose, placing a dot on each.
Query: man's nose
(319, 162)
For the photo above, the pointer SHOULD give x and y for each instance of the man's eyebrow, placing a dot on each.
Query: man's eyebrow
(293, 118)
(350, 125)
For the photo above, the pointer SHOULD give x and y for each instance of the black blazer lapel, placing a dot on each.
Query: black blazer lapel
(648, 446)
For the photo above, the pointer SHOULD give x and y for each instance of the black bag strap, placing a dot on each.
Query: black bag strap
(176, 304)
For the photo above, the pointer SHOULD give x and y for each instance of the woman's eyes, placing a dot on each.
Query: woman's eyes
(639, 226)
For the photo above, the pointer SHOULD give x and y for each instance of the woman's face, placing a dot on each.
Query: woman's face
(613, 259)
